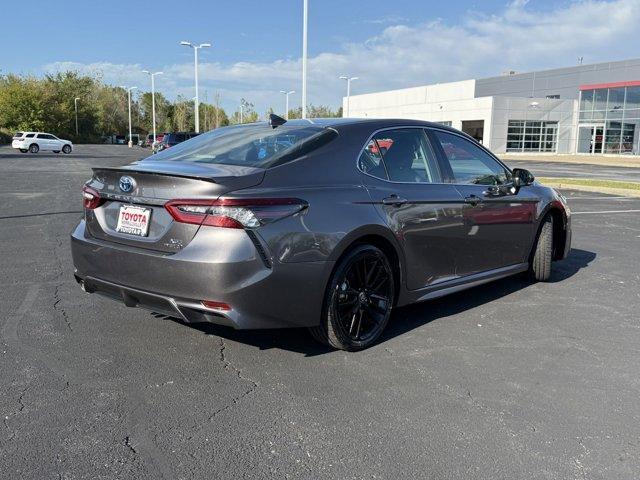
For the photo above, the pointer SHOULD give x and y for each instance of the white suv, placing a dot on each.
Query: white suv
(35, 141)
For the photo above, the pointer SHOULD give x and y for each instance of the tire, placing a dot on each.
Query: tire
(24, 150)
(357, 301)
(34, 148)
(56, 151)
(66, 149)
(540, 264)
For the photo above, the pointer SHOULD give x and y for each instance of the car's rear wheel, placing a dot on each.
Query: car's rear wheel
(24, 150)
(66, 149)
(34, 148)
(358, 300)
(540, 264)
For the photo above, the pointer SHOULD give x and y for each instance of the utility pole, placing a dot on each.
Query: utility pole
(305, 17)
(349, 80)
(153, 101)
(286, 102)
(217, 109)
(196, 99)
(130, 142)
(75, 104)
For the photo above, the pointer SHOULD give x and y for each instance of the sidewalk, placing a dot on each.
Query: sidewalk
(632, 161)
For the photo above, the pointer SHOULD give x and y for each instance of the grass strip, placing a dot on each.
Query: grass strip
(589, 182)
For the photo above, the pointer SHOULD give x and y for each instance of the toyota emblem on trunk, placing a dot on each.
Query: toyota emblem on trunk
(127, 184)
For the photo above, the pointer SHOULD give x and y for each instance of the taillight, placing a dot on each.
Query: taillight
(233, 212)
(90, 198)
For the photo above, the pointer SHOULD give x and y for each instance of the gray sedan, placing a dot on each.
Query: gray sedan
(327, 224)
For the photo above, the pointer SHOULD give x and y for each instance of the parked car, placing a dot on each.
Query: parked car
(325, 229)
(172, 139)
(35, 141)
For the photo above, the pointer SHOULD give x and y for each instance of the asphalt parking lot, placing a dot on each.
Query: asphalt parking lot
(578, 170)
(509, 380)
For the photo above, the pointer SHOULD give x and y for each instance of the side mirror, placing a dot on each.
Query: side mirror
(522, 177)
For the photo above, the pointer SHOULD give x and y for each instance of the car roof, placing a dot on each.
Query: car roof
(375, 123)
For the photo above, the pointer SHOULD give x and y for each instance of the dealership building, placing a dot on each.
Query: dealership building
(585, 109)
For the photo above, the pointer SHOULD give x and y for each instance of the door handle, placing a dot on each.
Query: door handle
(473, 200)
(394, 200)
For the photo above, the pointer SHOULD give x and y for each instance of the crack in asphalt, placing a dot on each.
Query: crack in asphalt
(238, 373)
(57, 306)
(63, 312)
(21, 407)
(127, 443)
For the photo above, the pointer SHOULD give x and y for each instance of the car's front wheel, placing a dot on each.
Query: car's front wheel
(540, 265)
(358, 300)
(66, 149)
(34, 148)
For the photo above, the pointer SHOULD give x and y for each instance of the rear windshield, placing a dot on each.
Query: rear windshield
(18, 134)
(255, 145)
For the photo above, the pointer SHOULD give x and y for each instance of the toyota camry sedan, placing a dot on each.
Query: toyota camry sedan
(326, 224)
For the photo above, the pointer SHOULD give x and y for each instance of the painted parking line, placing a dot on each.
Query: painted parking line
(606, 211)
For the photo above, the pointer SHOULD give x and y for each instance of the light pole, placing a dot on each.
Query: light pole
(197, 100)
(153, 101)
(130, 143)
(305, 15)
(286, 102)
(75, 104)
(243, 104)
(349, 80)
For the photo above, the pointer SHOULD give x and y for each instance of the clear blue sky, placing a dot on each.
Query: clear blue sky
(257, 43)
(242, 30)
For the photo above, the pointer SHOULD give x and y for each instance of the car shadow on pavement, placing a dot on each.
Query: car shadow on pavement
(403, 319)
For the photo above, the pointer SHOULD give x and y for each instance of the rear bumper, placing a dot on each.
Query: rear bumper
(260, 295)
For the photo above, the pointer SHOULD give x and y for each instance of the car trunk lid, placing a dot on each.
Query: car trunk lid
(148, 185)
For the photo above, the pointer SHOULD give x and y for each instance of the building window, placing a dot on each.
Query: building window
(609, 120)
(532, 136)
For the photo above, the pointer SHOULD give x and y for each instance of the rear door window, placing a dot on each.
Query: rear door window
(406, 155)
(370, 161)
(29, 135)
(469, 163)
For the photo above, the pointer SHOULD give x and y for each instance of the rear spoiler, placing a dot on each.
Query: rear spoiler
(152, 172)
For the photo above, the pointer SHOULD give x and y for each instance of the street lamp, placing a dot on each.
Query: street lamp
(349, 80)
(130, 143)
(153, 100)
(197, 101)
(305, 15)
(286, 102)
(75, 104)
(243, 104)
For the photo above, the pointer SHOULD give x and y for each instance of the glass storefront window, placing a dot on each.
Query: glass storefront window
(612, 115)
(600, 99)
(612, 141)
(633, 98)
(586, 100)
(616, 99)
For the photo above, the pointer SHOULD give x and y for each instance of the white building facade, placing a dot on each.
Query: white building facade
(586, 109)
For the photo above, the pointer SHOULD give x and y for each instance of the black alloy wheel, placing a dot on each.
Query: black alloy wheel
(358, 300)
